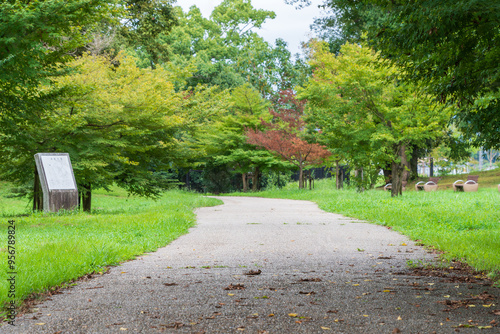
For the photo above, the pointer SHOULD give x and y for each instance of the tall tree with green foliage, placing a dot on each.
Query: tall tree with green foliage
(146, 23)
(364, 113)
(224, 141)
(36, 37)
(451, 47)
(119, 123)
(228, 50)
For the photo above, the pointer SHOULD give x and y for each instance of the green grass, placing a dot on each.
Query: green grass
(465, 226)
(53, 249)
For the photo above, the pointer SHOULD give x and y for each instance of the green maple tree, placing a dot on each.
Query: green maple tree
(365, 114)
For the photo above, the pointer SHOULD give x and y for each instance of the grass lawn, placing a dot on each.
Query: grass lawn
(53, 249)
(466, 226)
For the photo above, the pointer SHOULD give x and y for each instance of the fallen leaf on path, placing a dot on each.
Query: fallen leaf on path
(325, 328)
(332, 311)
(40, 323)
(315, 279)
(174, 325)
(293, 315)
(399, 318)
(396, 330)
(253, 272)
(235, 287)
(169, 284)
(307, 293)
(123, 329)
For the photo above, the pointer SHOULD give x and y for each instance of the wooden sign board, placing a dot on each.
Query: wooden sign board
(57, 181)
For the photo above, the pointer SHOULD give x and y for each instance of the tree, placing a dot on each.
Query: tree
(452, 47)
(283, 136)
(224, 142)
(36, 37)
(364, 113)
(36, 41)
(145, 25)
(118, 123)
(228, 51)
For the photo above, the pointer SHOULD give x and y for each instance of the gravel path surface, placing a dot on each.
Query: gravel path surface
(314, 272)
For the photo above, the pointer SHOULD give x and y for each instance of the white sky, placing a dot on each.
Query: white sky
(290, 24)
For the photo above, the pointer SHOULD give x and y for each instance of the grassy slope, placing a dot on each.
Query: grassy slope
(464, 225)
(53, 249)
(488, 179)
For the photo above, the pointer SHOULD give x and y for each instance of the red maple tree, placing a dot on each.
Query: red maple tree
(283, 135)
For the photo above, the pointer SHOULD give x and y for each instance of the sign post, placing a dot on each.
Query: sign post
(57, 180)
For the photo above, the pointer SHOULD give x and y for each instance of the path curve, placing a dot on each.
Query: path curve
(320, 273)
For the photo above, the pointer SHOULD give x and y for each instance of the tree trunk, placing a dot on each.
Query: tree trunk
(301, 177)
(255, 179)
(87, 197)
(358, 173)
(397, 173)
(339, 178)
(37, 193)
(245, 184)
(308, 178)
(405, 164)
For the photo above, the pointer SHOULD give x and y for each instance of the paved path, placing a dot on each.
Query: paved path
(320, 273)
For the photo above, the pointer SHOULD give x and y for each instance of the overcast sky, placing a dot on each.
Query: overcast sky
(290, 24)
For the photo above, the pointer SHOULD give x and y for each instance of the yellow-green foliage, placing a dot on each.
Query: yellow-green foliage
(365, 114)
